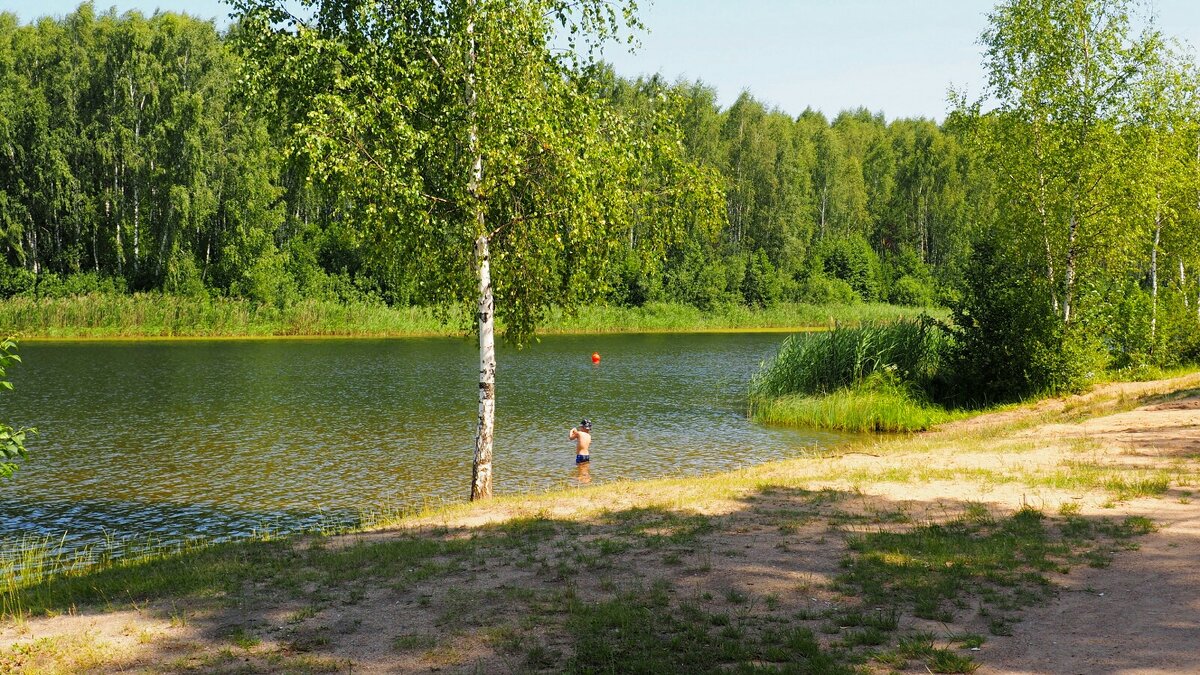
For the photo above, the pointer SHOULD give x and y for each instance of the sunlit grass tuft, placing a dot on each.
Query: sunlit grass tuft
(859, 409)
(1122, 485)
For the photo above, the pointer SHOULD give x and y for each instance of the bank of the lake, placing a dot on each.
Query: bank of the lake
(930, 552)
(160, 315)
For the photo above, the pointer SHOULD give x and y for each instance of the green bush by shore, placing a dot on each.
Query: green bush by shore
(105, 315)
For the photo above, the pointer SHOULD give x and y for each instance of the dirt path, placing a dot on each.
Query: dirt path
(1142, 614)
(756, 548)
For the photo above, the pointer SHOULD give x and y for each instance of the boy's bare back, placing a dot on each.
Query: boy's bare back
(582, 435)
(582, 439)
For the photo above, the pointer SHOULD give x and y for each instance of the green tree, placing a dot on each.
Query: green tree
(1062, 74)
(1164, 139)
(478, 159)
(852, 260)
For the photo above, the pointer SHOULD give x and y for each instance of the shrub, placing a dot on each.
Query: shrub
(878, 403)
(634, 285)
(1124, 323)
(699, 280)
(817, 289)
(852, 260)
(16, 281)
(267, 282)
(1179, 329)
(761, 285)
(908, 290)
(183, 277)
(1010, 341)
(1138, 337)
(50, 285)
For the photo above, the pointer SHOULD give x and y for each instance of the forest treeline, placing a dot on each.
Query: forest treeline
(131, 162)
(132, 158)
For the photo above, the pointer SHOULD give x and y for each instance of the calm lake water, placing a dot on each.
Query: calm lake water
(217, 439)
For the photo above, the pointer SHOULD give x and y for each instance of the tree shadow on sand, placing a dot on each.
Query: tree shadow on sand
(792, 579)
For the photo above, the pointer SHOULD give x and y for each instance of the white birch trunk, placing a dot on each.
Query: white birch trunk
(1154, 279)
(824, 202)
(1069, 271)
(481, 472)
(33, 247)
(1050, 272)
(481, 469)
(116, 216)
(137, 141)
(1183, 285)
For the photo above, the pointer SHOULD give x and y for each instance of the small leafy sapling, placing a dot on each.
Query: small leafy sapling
(12, 440)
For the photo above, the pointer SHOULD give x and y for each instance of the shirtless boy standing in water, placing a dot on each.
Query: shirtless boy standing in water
(582, 435)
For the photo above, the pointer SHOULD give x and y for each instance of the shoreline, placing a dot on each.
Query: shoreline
(781, 330)
(175, 317)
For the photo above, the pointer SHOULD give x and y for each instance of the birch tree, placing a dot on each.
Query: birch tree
(478, 158)
(1162, 133)
(1063, 74)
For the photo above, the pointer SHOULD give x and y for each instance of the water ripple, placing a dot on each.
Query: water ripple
(174, 441)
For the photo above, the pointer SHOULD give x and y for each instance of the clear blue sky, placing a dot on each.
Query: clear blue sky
(894, 56)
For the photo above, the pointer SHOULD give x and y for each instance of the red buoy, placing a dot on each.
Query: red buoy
(595, 357)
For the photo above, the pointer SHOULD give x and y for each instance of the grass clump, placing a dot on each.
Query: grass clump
(1123, 484)
(676, 317)
(825, 362)
(868, 378)
(99, 315)
(72, 654)
(1001, 563)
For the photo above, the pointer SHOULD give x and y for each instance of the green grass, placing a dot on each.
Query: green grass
(861, 409)
(642, 632)
(212, 570)
(1122, 484)
(1001, 562)
(672, 317)
(160, 315)
(930, 567)
(107, 315)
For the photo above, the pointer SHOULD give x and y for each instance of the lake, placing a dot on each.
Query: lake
(169, 440)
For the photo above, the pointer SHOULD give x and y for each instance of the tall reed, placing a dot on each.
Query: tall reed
(910, 350)
(162, 315)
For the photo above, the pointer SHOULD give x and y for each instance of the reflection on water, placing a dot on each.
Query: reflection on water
(224, 438)
(583, 473)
